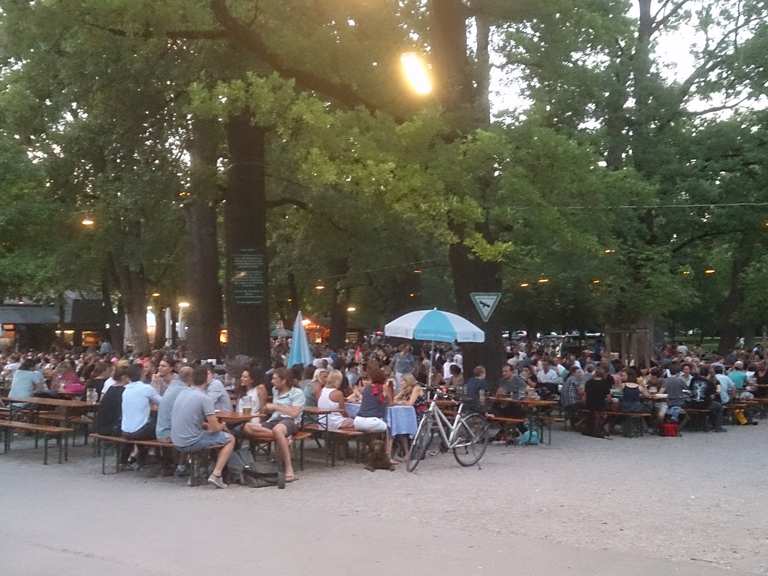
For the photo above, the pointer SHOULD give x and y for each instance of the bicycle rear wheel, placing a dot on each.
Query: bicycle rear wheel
(471, 440)
(420, 443)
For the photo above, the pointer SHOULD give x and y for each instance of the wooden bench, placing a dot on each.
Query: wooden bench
(117, 441)
(698, 418)
(331, 438)
(632, 423)
(506, 422)
(59, 432)
(82, 422)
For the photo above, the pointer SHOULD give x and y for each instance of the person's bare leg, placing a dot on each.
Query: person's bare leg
(224, 454)
(284, 449)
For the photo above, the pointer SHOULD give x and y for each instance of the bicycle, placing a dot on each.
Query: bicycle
(467, 436)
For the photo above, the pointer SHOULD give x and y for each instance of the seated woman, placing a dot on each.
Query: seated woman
(255, 395)
(68, 381)
(110, 414)
(411, 394)
(377, 395)
(633, 394)
(331, 398)
(26, 380)
(597, 392)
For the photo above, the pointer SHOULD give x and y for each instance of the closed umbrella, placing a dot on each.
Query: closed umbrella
(300, 352)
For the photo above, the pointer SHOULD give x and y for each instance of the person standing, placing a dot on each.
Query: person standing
(403, 363)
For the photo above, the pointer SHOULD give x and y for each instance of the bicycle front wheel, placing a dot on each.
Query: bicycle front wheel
(420, 443)
(471, 440)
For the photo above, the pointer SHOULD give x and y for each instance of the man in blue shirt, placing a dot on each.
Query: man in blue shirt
(139, 422)
(738, 375)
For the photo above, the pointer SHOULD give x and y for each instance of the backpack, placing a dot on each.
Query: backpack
(529, 437)
(243, 469)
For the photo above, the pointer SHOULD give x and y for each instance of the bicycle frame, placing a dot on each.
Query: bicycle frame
(442, 422)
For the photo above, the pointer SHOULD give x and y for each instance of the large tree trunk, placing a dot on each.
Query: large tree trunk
(728, 324)
(133, 287)
(471, 274)
(246, 258)
(159, 339)
(203, 317)
(469, 106)
(116, 331)
(642, 143)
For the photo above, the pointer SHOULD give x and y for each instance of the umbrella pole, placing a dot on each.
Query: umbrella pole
(431, 362)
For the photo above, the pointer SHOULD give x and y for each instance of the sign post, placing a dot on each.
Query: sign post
(485, 303)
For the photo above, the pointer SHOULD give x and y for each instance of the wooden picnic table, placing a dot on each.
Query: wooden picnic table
(234, 417)
(79, 406)
(52, 402)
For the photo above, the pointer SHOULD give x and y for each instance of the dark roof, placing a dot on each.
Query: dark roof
(29, 314)
(85, 312)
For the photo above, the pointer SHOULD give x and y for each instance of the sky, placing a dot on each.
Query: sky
(673, 51)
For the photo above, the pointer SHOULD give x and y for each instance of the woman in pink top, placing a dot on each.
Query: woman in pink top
(69, 382)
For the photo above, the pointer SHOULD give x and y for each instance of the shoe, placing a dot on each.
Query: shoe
(216, 481)
(181, 471)
(720, 430)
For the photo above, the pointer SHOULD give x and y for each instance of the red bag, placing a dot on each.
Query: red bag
(670, 429)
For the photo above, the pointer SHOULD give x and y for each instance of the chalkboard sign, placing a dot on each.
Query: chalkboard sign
(248, 277)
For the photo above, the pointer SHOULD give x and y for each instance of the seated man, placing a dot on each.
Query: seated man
(676, 391)
(165, 409)
(138, 421)
(475, 390)
(216, 391)
(286, 408)
(192, 410)
(704, 396)
(572, 394)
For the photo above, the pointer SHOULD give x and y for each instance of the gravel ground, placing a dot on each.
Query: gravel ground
(694, 505)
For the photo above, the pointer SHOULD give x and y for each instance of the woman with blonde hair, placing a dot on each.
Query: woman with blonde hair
(331, 398)
(411, 394)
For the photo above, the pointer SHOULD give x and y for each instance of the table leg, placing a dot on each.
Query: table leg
(45, 449)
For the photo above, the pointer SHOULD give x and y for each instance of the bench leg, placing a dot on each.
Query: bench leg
(301, 455)
(66, 447)
(37, 438)
(103, 454)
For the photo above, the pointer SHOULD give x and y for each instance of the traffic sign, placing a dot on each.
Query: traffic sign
(485, 303)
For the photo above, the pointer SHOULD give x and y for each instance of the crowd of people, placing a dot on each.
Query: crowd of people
(166, 398)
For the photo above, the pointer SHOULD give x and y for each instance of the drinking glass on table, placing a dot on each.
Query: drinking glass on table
(246, 404)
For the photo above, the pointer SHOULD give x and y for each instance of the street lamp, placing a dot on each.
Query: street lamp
(351, 309)
(416, 73)
(87, 222)
(183, 304)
